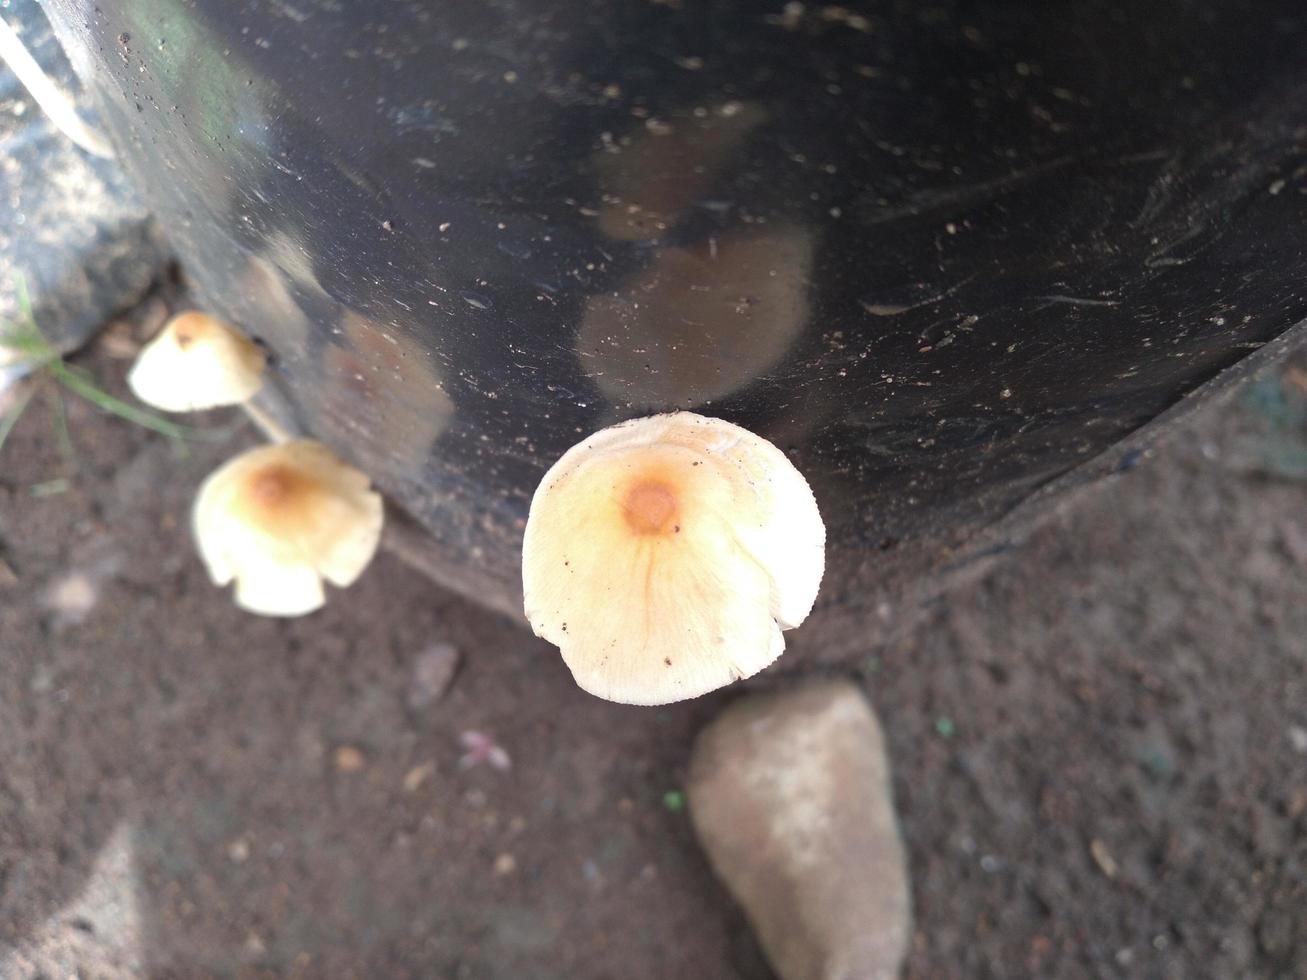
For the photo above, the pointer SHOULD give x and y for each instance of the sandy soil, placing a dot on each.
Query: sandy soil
(1100, 749)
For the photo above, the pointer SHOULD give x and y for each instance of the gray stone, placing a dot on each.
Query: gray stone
(433, 672)
(789, 794)
(100, 933)
(72, 230)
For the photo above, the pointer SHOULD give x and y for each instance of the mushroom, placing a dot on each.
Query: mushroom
(197, 362)
(279, 519)
(663, 556)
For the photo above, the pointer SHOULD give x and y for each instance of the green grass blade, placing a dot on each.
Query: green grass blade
(25, 338)
(11, 418)
(62, 436)
(106, 402)
(24, 298)
(38, 354)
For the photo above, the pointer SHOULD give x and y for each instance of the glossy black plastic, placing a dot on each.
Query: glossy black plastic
(940, 253)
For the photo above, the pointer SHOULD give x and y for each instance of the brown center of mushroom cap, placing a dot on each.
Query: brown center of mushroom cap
(650, 507)
(274, 489)
(190, 327)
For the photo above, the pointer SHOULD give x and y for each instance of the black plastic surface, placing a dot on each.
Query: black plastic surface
(940, 253)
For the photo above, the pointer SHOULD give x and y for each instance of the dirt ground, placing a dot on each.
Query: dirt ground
(1100, 750)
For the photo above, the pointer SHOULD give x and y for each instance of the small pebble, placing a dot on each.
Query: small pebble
(348, 759)
(72, 597)
(781, 789)
(1103, 858)
(418, 775)
(118, 341)
(1298, 738)
(42, 680)
(1298, 803)
(238, 851)
(505, 864)
(433, 672)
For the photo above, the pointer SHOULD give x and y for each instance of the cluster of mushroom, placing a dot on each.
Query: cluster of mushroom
(663, 555)
(276, 520)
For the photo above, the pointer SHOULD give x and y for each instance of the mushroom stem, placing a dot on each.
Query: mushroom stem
(275, 432)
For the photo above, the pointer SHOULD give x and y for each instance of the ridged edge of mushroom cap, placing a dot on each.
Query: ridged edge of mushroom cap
(661, 614)
(279, 519)
(195, 363)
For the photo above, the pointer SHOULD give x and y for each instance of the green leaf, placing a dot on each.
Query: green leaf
(11, 417)
(674, 800)
(76, 382)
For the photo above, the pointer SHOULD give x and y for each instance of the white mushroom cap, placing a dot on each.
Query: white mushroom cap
(664, 556)
(279, 519)
(197, 362)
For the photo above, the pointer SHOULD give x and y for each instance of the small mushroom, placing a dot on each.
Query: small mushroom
(663, 556)
(197, 362)
(279, 519)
